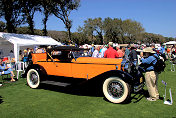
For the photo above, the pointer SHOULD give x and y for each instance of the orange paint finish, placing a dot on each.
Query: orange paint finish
(82, 67)
(39, 57)
(89, 67)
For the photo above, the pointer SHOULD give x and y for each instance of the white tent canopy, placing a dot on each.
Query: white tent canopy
(26, 40)
(171, 43)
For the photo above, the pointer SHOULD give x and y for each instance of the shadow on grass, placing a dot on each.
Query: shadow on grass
(81, 90)
(1, 100)
(8, 78)
(144, 93)
(77, 86)
(87, 88)
(139, 96)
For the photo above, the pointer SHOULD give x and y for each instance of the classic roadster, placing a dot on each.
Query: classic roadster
(116, 81)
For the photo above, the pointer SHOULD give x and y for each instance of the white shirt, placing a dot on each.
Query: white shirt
(102, 52)
(95, 53)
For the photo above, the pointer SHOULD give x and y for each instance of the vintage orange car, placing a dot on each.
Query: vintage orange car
(116, 82)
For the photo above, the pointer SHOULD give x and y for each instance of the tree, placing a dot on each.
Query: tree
(98, 28)
(93, 28)
(2, 26)
(167, 39)
(82, 36)
(62, 10)
(112, 29)
(149, 38)
(10, 10)
(47, 11)
(88, 29)
(29, 7)
(115, 30)
(132, 29)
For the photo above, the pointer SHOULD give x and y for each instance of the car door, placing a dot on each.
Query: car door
(78, 69)
(59, 65)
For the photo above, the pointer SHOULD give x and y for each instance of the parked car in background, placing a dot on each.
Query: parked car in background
(116, 82)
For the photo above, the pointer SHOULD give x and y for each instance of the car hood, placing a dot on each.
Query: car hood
(97, 60)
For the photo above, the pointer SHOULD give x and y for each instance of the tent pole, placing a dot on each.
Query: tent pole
(16, 52)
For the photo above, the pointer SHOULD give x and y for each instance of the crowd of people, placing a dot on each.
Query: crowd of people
(7, 64)
(26, 56)
(124, 52)
(146, 55)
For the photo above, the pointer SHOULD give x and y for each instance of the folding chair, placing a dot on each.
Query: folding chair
(20, 66)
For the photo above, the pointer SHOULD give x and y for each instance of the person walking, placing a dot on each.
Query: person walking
(110, 52)
(151, 77)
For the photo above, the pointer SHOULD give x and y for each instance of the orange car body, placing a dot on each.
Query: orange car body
(82, 67)
(116, 78)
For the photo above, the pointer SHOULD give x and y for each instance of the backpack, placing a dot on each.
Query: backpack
(159, 66)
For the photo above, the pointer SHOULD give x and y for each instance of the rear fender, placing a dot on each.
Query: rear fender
(38, 68)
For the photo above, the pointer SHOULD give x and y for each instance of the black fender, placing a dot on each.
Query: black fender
(42, 72)
(115, 73)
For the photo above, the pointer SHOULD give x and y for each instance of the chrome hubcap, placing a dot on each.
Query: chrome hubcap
(116, 89)
(33, 78)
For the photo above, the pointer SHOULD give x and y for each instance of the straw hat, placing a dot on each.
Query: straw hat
(148, 49)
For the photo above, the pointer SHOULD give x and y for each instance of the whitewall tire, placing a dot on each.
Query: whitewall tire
(33, 78)
(116, 90)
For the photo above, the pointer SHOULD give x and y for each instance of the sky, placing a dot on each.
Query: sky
(156, 16)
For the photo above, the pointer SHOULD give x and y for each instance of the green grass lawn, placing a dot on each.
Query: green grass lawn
(17, 100)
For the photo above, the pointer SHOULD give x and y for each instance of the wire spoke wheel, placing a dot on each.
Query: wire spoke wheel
(33, 78)
(116, 90)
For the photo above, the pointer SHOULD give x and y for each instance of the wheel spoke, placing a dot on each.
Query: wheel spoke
(34, 78)
(116, 89)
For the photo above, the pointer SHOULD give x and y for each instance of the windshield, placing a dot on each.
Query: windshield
(68, 54)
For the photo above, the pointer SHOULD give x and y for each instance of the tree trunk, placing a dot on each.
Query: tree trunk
(9, 22)
(69, 34)
(101, 38)
(31, 24)
(44, 23)
(9, 25)
(46, 13)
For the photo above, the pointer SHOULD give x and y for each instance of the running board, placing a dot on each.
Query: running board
(56, 83)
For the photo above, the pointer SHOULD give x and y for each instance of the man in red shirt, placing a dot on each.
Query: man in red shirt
(110, 52)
